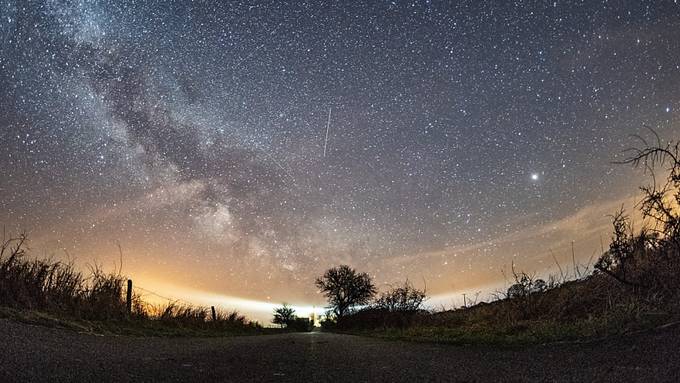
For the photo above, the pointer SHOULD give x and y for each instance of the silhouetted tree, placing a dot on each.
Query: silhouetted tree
(615, 262)
(345, 288)
(284, 315)
(660, 201)
(628, 251)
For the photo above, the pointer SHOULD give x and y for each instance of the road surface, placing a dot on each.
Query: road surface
(35, 354)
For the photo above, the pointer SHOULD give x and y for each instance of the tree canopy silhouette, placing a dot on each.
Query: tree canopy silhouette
(649, 259)
(284, 315)
(345, 288)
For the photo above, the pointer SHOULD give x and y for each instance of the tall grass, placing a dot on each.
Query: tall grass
(43, 284)
(597, 305)
(59, 288)
(636, 281)
(609, 300)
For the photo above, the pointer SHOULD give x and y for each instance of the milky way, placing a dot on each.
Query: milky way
(462, 137)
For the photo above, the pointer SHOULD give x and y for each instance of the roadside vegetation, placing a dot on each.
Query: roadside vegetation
(634, 285)
(285, 317)
(55, 293)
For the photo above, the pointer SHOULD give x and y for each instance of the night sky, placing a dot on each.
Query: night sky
(461, 138)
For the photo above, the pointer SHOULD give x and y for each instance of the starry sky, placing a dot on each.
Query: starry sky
(241, 148)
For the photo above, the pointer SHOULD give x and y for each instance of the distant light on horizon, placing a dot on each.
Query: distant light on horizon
(261, 311)
(244, 150)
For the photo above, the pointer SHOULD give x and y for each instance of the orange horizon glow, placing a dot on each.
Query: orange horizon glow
(183, 282)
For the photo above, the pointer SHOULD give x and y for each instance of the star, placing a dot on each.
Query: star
(218, 139)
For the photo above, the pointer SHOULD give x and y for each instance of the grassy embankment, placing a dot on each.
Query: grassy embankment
(580, 310)
(54, 293)
(635, 284)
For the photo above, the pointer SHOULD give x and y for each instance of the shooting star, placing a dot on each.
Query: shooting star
(328, 127)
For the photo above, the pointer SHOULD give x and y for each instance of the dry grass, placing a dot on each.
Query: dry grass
(608, 301)
(57, 288)
(42, 284)
(639, 291)
(593, 307)
(636, 282)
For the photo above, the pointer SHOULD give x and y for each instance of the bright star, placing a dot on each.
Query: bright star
(534, 176)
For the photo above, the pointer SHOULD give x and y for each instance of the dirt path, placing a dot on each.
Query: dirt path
(34, 353)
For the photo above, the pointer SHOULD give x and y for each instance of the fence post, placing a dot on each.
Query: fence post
(214, 314)
(129, 297)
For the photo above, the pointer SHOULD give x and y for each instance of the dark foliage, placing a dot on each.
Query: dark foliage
(299, 324)
(373, 317)
(57, 287)
(648, 262)
(47, 285)
(404, 298)
(284, 315)
(345, 288)
(636, 280)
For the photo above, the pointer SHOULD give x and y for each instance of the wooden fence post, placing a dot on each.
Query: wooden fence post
(214, 314)
(129, 297)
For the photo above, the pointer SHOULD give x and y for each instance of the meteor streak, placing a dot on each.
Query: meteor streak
(328, 127)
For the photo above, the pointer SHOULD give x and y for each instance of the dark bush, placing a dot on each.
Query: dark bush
(300, 324)
(403, 298)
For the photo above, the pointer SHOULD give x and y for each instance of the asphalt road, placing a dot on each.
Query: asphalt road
(38, 354)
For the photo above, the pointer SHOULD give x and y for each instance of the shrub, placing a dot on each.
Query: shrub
(299, 324)
(405, 298)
